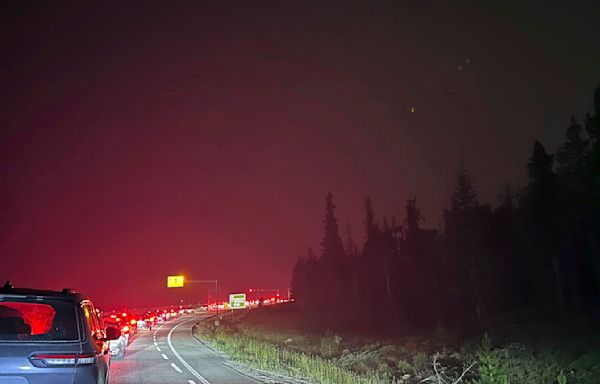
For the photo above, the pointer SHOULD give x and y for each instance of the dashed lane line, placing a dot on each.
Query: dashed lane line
(175, 367)
(158, 349)
(178, 356)
(164, 356)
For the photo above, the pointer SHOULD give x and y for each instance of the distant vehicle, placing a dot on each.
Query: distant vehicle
(146, 321)
(49, 337)
(130, 320)
(119, 323)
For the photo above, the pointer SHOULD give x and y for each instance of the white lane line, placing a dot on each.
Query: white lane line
(164, 356)
(191, 382)
(158, 349)
(178, 356)
(155, 343)
(175, 367)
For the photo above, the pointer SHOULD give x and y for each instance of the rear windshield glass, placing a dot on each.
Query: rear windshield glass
(109, 323)
(49, 320)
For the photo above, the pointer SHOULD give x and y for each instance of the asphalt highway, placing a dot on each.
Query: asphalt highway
(169, 354)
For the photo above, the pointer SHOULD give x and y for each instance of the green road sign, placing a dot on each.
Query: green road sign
(237, 300)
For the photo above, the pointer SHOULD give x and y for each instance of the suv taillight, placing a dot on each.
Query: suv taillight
(48, 360)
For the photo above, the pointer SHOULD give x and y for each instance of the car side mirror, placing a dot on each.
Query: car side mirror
(113, 333)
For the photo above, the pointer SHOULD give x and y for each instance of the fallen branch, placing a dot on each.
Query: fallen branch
(440, 377)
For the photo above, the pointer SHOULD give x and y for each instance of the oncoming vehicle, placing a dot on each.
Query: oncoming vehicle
(51, 337)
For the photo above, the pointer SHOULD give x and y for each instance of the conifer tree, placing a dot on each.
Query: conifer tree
(571, 158)
(542, 193)
(331, 244)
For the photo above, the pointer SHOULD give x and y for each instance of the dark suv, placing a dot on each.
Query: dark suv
(52, 337)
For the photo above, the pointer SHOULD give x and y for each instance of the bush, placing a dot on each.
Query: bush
(404, 367)
(330, 344)
(421, 364)
(491, 366)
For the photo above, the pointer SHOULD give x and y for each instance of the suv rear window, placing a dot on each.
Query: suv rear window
(35, 320)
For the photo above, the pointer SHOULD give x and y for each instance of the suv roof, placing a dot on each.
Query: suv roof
(65, 294)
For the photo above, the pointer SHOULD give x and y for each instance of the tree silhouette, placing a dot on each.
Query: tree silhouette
(465, 231)
(539, 247)
(542, 197)
(464, 196)
(571, 158)
(331, 244)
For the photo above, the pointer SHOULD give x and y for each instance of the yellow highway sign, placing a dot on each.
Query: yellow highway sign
(174, 281)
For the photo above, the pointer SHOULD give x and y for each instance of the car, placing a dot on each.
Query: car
(130, 320)
(51, 337)
(145, 321)
(119, 323)
(118, 346)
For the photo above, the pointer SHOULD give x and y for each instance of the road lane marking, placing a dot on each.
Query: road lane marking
(175, 367)
(191, 382)
(155, 343)
(164, 356)
(158, 349)
(178, 356)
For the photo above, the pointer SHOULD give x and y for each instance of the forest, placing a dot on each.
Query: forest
(535, 254)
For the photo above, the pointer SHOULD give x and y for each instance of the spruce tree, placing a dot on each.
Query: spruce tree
(542, 193)
(464, 242)
(571, 158)
(464, 196)
(331, 244)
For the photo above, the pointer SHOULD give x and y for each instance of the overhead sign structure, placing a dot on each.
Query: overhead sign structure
(175, 281)
(237, 300)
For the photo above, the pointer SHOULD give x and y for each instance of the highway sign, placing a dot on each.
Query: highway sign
(174, 281)
(237, 300)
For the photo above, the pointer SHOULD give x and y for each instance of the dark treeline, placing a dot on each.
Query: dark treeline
(539, 249)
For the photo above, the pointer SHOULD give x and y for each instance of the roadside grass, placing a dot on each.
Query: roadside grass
(273, 340)
(271, 357)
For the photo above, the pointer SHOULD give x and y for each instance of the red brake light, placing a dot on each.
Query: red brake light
(132, 322)
(124, 314)
(125, 329)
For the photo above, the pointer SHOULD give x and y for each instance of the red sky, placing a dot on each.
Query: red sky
(201, 138)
